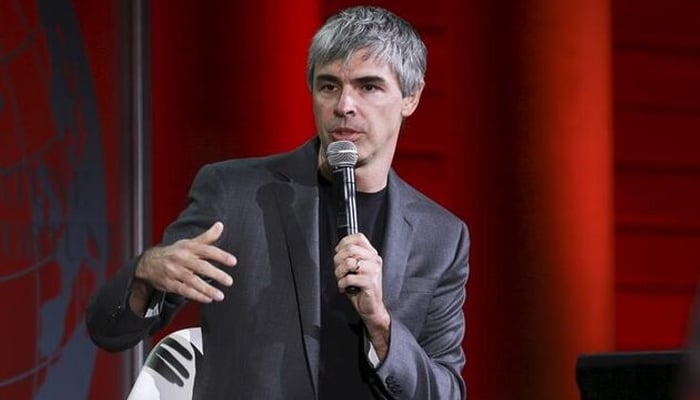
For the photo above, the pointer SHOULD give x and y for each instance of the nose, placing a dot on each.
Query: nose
(345, 106)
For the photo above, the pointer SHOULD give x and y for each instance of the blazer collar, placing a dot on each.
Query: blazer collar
(298, 167)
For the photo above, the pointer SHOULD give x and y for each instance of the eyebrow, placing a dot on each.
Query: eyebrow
(327, 78)
(363, 80)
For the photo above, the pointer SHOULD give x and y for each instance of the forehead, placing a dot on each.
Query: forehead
(360, 64)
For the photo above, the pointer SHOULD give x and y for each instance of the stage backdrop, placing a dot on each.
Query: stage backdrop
(534, 116)
(62, 212)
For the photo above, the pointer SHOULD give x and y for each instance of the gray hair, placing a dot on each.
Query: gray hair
(387, 37)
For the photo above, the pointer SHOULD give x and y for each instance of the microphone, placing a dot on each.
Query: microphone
(342, 157)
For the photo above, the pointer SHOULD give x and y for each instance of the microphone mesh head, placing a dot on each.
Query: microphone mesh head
(342, 153)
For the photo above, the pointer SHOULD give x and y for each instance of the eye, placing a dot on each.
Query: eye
(327, 87)
(369, 87)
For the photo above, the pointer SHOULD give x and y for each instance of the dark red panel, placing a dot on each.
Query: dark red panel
(657, 185)
(671, 24)
(657, 194)
(648, 79)
(415, 165)
(652, 320)
(650, 258)
(657, 138)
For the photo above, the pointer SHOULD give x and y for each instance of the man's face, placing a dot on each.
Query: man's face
(361, 101)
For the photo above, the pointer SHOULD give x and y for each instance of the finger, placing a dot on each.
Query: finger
(206, 270)
(341, 265)
(359, 249)
(348, 240)
(212, 234)
(351, 283)
(213, 253)
(351, 250)
(193, 294)
(346, 259)
(191, 286)
(355, 240)
(199, 285)
(347, 266)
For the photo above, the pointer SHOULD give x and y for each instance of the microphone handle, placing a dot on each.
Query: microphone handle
(346, 214)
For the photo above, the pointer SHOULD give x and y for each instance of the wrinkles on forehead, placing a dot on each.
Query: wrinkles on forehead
(365, 55)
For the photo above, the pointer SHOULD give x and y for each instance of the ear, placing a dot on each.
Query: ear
(410, 103)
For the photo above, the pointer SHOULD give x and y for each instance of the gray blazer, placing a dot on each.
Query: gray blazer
(262, 342)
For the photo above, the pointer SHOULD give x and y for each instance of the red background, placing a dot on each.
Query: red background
(567, 134)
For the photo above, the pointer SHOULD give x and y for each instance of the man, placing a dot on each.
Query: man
(257, 243)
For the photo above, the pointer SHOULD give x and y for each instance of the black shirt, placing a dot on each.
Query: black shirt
(344, 369)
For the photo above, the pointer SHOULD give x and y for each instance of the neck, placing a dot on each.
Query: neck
(368, 178)
(369, 181)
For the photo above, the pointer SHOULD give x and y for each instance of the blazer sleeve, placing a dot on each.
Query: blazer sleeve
(429, 366)
(111, 323)
(113, 326)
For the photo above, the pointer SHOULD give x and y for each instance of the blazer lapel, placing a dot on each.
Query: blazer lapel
(297, 200)
(397, 239)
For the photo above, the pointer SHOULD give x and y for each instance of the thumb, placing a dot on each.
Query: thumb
(212, 234)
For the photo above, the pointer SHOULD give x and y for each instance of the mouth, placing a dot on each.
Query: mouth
(345, 133)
